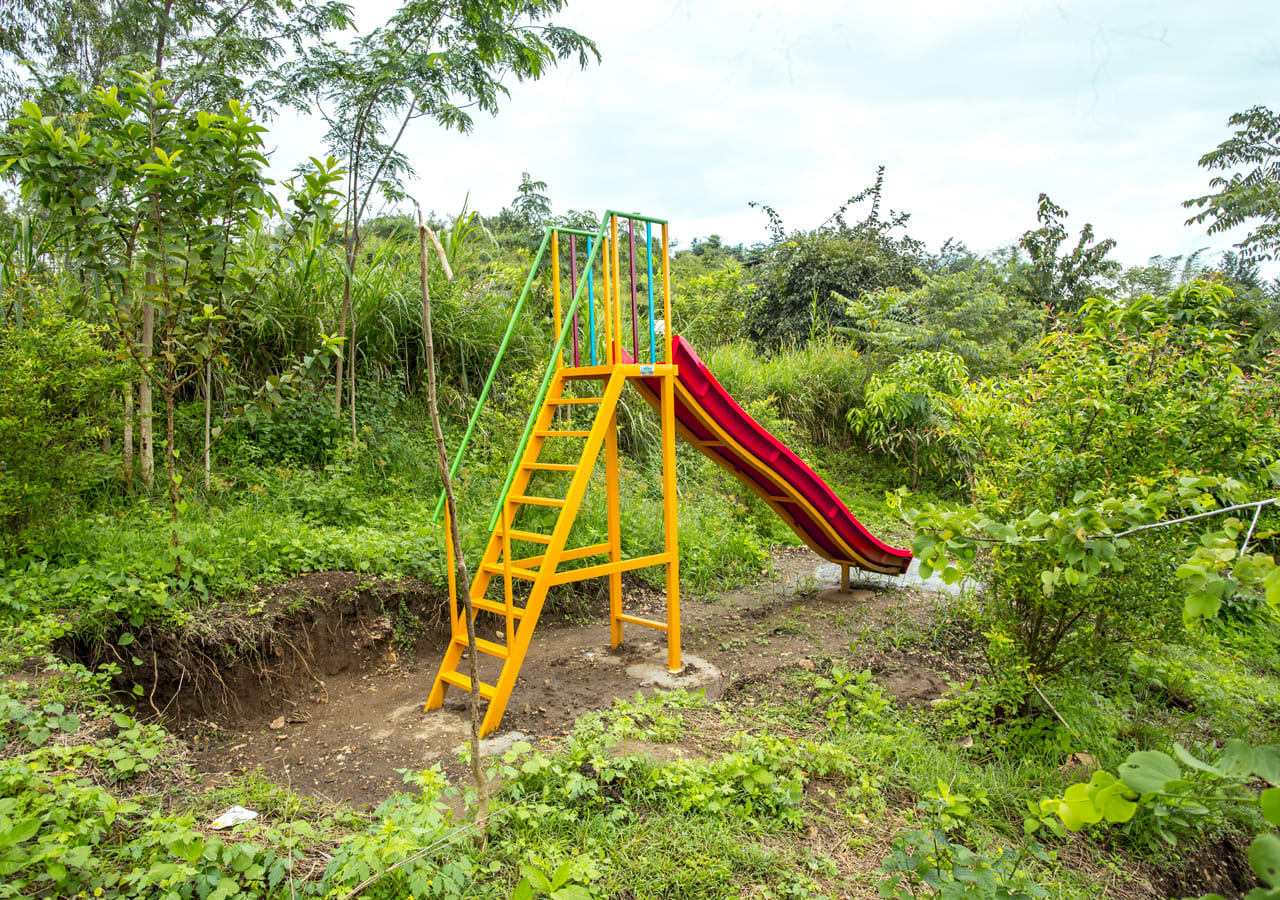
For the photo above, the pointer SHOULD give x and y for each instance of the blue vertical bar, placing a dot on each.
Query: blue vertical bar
(648, 252)
(591, 304)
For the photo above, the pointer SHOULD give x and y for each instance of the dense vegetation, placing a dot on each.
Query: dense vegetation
(1094, 446)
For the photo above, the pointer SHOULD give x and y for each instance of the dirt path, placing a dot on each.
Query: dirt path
(347, 739)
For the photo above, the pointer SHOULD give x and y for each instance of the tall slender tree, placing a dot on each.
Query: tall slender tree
(1250, 194)
(434, 59)
(210, 51)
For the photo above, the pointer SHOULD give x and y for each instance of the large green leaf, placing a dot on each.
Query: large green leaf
(1148, 771)
(1266, 763)
(1237, 759)
(1264, 856)
(1269, 802)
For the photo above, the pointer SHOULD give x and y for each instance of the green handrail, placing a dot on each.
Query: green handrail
(546, 379)
(567, 315)
(493, 370)
(502, 349)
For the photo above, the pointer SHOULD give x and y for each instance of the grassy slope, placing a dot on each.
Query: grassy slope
(726, 824)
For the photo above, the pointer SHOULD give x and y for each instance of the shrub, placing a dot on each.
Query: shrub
(56, 384)
(973, 314)
(905, 409)
(1104, 435)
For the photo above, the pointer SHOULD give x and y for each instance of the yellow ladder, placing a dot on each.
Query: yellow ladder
(542, 570)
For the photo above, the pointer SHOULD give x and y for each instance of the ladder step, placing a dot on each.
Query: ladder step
(489, 647)
(637, 620)
(516, 572)
(535, 501)
(551, 467)
(494, 606)
(457, 679)
(551, 433)
(528, 536)
(565, 401)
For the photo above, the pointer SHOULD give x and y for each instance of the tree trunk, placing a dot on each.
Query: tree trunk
(208, 417)
(146, 436)
(351, 393)
(171, 469)
(463, 580)
(126, 438)
(352, 255)
(349, 255)
(342, 348)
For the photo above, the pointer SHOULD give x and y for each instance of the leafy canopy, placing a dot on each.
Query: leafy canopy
(1251, 195)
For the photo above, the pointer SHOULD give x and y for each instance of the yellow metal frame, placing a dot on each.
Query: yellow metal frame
(544, 570)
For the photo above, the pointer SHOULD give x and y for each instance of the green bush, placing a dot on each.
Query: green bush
(56, 387)
(1103, 435)
(974, 314)
(804, 280)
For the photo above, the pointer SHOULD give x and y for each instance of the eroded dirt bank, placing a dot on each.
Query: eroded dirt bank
(343, 735)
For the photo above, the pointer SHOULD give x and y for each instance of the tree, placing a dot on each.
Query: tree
(972, 312)
(531, 204)
(1110, 431)
(211, 52)
(182, 190)
(459, 578)
(1243, 197)
(802, 279)
(214, 51)
(435, 59)
(1063, 283)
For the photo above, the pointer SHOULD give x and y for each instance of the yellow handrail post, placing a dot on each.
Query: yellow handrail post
(555, 285)
(667, 326)
(452, 574)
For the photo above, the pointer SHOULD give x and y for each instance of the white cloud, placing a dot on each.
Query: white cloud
(975, 106)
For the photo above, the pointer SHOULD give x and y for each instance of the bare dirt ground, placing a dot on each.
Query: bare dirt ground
(345, 739)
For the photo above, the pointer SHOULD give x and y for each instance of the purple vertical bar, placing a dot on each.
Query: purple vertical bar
(573, 291)
(635, 320)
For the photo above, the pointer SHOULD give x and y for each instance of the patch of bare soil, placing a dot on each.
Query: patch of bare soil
(342, 726)
(1218, 868)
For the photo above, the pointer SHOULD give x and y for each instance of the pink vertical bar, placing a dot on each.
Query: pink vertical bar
(573, 292)
(635, 319)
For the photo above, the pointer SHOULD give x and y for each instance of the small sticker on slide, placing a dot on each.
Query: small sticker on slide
(646, 370)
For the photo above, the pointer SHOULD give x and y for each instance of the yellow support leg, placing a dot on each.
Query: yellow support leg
(844, 578)
(670, 521)
(612, 486)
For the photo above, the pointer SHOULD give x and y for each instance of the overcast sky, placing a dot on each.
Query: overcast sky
(974, 107)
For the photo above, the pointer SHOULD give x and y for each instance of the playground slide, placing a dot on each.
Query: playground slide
(708, 418)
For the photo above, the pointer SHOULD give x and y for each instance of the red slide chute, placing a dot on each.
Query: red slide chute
(709, 419)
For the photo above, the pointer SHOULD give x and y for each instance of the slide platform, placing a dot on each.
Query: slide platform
(709, 419)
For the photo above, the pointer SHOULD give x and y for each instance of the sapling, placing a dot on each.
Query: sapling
(463, 581)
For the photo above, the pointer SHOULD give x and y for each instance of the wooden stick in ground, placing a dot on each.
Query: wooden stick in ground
(460, 562)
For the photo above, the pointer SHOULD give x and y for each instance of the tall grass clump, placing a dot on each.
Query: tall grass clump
(813, 385)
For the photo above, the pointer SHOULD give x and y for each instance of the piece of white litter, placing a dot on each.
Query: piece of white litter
(234, 816)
